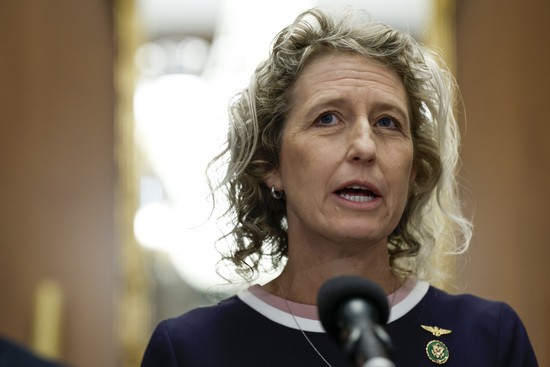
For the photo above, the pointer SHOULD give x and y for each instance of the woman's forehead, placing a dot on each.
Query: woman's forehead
(329, 76)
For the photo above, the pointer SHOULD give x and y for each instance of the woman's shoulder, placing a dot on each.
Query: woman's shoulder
(463, 311)
(460, 299)
(206, 316)
(474, 330)
(468, 306)
(189, 337)
(484, 322)
(463, 314)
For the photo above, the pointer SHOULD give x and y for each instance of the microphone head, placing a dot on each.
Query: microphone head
(336, 291)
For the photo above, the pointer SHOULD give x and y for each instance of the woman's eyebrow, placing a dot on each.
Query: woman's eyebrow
(393, 107)
(324, 102)
(339, 101)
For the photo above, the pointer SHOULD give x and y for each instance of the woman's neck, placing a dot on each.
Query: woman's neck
(305, 272)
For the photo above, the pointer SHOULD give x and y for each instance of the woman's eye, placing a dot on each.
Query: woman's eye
(327, 119)
(387, 122)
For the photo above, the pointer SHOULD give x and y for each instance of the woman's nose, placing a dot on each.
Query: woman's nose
(362, 144)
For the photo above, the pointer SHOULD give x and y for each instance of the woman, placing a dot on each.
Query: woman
(343, 154)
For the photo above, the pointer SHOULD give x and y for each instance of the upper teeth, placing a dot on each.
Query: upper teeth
(357, 187)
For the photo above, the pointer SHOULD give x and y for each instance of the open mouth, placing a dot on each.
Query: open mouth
(356, 193)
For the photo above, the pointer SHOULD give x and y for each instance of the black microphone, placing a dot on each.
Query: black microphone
(353, 311)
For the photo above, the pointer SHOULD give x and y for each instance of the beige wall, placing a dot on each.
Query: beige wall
(57, 170)
(503, 71)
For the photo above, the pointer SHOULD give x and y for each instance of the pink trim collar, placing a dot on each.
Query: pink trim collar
(310, 311)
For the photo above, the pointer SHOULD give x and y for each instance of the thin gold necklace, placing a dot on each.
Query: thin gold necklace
(303, 332)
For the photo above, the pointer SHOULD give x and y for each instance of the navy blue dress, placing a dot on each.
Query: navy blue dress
(235, 333)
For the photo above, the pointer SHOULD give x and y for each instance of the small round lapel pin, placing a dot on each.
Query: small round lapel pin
(437, 352)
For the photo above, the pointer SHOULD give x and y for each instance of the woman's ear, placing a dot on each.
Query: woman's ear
(273, 179)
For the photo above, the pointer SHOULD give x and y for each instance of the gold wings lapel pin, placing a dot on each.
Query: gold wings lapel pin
(436, 331)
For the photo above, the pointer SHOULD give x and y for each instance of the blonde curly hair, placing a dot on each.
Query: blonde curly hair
(432, 227)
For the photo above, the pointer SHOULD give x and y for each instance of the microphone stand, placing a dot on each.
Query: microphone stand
(367, 343)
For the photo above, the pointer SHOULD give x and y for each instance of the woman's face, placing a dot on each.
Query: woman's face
(346, 155)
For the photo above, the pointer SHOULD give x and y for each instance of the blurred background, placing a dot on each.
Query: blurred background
(111, 110)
